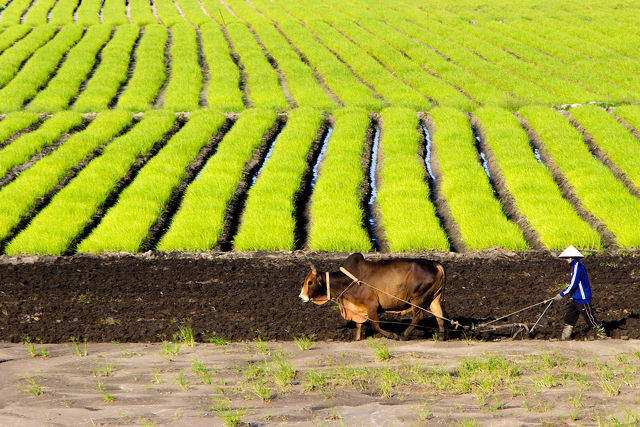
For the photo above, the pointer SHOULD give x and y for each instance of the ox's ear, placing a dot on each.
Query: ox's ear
(313, 269)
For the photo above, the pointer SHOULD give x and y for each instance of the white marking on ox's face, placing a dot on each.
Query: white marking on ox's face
(303, 297)
(304, 292)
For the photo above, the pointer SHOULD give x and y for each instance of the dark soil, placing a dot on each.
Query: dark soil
(245, 295)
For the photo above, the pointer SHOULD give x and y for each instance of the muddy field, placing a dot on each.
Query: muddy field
(146, 298)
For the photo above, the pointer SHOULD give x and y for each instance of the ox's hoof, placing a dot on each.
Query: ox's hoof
(404, 337)
(394, 337)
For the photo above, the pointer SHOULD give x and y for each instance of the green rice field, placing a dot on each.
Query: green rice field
(279, 125)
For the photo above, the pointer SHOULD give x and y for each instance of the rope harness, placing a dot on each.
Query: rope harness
(456, 324)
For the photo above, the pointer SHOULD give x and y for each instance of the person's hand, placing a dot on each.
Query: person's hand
(557, 297)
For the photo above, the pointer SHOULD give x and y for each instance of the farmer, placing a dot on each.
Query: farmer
(580, 292)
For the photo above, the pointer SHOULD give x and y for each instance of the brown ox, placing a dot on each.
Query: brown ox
(420, 282)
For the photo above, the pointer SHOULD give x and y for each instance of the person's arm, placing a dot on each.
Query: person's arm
(574, 281)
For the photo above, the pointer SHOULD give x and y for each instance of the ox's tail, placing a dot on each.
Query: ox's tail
(440, 282)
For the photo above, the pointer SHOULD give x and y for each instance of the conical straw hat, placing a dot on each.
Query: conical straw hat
(571, 252)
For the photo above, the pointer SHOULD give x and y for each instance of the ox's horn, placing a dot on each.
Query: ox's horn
(313, 269)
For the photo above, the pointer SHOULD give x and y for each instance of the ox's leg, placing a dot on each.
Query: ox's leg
(417, 317)
(436, 309)
(358, 331)
(373, 316)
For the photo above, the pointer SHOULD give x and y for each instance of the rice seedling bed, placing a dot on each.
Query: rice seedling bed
(185, 76)
(13, 57)
(13, 123)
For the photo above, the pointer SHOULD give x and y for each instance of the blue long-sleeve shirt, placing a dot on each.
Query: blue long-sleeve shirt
(579, 286)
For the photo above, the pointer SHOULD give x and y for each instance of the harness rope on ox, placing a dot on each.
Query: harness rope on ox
(356, 280)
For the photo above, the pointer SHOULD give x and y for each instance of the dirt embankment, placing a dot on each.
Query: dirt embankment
(241, 296)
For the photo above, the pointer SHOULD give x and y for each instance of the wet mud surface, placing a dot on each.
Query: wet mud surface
(148, 297)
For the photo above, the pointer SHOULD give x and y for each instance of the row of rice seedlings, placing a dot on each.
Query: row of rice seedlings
(149, 73)
(127, 224)
(141, 13)
(114, 12)
(20, 150)
(88, 13)
(409, 71)
(12, 58)
(270, 202)
(531, 184)
(111, 73)
(11, 34)
(565, 82)
(262, 83)
(52, 231)
(38, 68)
(523, 92)
(616, 141)
(466, 187)
(385, 83)
(630, 114)
(199, 222)
(20, 196)
(559, 90)
(578, 50)
(336, 222)
(75, 69)
(580, 72)
(14, 122)
(336, 75)
(168, 13)
(62, 12)
(37, 14)
(185, 80)
(300, 79)
(407, 216)
(13, 12)
(193, 12)
(413, 43)
(600, 192)
(223, 90)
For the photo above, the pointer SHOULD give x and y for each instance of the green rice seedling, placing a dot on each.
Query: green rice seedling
(31, 385)
(380, 349)
(199, 221)
(114, 12)
(80, 351)
(531, 184)
(144, 422)
(15, 122)
(29, 144)
(616, 141)
(88, 13)
(301, 82)
(216, 339)
(283, 372)
(630, 114)
(336, 215)
(62, 12)
(223, 89)
(168, 13)
(193, 12)
(106, 396)
(337, 76)
(111, 73)
(13, 12)
(304, 342)
(466, 187)
(171, 348)
(262, 83)
(105, 370)
(71, 209)
(180, 380)
(36, 71)
(149, 72)
(18, 197)
(202, 371)
(141, 13)
(73, 71)
(270, 201)
(388, 380)
(230, 417)
(185, 79)
(31, 348)
(599, 191)
(12, 58)
(185, 336)
(402, 191)
(316, 380)
(126, 225)
(37, 13)
(11, 35)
